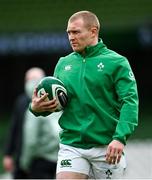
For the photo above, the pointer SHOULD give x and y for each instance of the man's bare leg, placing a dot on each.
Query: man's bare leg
(71, 175)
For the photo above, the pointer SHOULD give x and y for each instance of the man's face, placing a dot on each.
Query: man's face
(79, 35)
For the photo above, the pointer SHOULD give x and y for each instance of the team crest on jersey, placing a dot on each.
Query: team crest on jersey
(100, 66)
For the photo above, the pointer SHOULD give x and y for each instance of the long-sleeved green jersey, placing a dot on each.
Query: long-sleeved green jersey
(103, 97)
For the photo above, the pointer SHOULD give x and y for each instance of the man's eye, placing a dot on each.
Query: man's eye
(73, 32)
(76, 32)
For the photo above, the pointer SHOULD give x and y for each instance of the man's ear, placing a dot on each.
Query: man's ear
(94, 31)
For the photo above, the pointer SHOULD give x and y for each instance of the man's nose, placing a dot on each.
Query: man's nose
(71, 36)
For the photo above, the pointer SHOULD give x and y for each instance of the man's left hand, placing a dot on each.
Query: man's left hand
(114, 152)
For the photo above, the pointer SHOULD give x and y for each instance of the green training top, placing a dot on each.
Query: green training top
(103, 97)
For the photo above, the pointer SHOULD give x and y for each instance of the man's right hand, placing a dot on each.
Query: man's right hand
(42, 104)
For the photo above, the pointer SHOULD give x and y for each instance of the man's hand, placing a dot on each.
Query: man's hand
(42, 104)
(114, 152)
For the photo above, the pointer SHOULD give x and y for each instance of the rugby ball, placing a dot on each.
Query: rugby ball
(55, 89)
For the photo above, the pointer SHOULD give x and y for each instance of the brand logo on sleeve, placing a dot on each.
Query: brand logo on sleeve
(68, 67)
(131, 75)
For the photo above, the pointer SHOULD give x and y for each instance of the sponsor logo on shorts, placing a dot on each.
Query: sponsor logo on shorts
(66, 163)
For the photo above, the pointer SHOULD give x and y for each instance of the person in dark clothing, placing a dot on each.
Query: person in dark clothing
(18, 157)
(14, 140)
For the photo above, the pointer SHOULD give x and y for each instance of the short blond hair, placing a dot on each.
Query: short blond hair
(89, 18)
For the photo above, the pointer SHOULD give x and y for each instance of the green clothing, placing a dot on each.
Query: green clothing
(103, 98)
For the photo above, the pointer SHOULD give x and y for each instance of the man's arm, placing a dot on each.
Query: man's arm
(126, 89)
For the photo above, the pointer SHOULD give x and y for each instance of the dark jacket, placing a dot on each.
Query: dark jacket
(14, 139)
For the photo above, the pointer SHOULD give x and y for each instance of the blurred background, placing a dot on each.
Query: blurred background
(33, 33)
